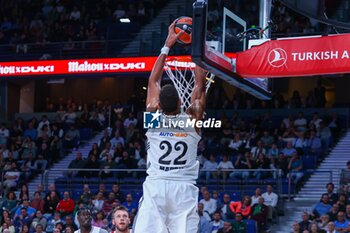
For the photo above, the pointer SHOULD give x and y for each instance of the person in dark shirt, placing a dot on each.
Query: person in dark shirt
(245, 162)
(227, 228)
(333, 197)
(239, 226)
(118, 193)
(77, 163)
(304, 224)
(259, 213)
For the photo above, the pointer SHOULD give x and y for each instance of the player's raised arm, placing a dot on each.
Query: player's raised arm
(152, 102)
(198, 95)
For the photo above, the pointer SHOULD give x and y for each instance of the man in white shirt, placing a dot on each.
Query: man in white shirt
(210, 167)
(130, 120)
(256, 196)
(84, 218)
(117, 139)
(271, 200)
(209, 204)
(217, 223)
(224, 166)
(300, 123)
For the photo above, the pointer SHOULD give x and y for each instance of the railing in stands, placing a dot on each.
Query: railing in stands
(70, 179)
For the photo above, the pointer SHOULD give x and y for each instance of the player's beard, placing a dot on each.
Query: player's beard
(122, 228)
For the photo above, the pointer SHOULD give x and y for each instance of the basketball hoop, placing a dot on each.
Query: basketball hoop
(181, 71)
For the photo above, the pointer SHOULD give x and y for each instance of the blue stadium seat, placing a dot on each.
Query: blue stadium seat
(251, 226)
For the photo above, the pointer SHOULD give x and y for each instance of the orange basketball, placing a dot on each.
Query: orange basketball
(184, 23)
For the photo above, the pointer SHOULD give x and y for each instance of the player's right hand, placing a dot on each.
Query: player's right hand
(172, 36)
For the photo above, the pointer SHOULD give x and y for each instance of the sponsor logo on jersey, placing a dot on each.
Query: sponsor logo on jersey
(167, 134)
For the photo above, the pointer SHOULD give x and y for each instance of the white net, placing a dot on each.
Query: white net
(181, 72)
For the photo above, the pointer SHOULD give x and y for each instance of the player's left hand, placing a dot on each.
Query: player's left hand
(172, 36)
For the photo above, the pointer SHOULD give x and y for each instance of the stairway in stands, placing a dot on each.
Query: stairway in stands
(63, 164)
(311, 192)
(150, 33)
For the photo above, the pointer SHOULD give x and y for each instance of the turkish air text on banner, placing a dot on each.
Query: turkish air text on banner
(296, 57)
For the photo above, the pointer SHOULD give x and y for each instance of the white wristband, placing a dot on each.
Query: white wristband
(165, 50)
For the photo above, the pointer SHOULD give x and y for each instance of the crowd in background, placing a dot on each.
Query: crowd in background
(331, 214)
(29, 147)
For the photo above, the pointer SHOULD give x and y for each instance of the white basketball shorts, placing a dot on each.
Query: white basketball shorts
(167, 207)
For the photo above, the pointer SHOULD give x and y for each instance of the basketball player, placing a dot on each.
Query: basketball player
(169, 202)
(121, 220)
(84, 218)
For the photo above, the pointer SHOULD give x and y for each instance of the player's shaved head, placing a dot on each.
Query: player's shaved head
(168, 98)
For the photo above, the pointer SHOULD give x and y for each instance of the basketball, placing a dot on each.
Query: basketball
(184, 23)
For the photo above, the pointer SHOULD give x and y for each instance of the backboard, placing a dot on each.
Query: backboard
(226, 24)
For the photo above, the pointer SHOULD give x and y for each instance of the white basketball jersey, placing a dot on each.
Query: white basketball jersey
(172, 150)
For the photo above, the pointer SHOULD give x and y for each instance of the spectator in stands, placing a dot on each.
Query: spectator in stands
(331, 227)
(10, 201)
(51, 203)
(333, 212)
(261, 162)
(224, 166)
(243, 207)
(243, 162)
(69, 117)
(71, 138)
(204, 219)
(119, 12)
(322, 207)
(98, 201)
(102, 189)
(301, 142)
(341, 224)
(347, 213)
(30, 132)
(117, 139)
(209, 204)
(66, 205)
(300, 123)
(130, 204)
(259, 148)
(305, 223)
(295, 167)
(324, 222)
(130, 120)
(267, 140)
(86, 196)
(210, 167)
(313, 228)
(226, 229)
(270, 200)
(216, 223)
(77, 163)
(225, 206)
(238, 225)
(69, 222)
(38, 203)
(325, 135)
(92, 164)
(4, 134)
(25, 229)
(108, 204)
(342, 202)
(98, 220)
(314, 144)
(11, 178)
(333, 197)
(259, 213)
(236, 144)
(22, 219)
(289, 149)
(256, 196)
(39, 219)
